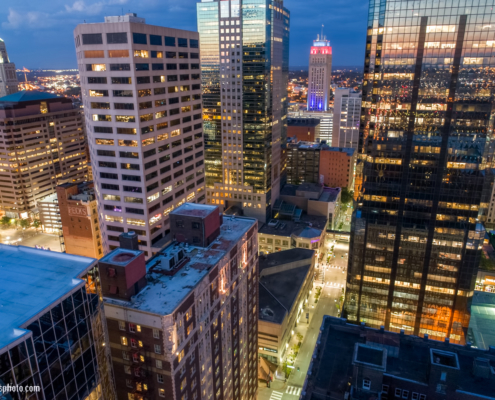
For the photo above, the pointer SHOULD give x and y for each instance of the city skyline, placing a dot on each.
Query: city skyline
(38, 35)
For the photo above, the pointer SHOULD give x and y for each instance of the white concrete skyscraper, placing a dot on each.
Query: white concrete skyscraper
(8, 78)
(346, 113)
(320, 74)
(141, 89)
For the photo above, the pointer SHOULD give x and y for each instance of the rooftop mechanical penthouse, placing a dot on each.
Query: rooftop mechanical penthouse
(183, 325)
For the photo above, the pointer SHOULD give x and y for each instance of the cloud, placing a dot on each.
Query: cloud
(32, 19)
(80, 6)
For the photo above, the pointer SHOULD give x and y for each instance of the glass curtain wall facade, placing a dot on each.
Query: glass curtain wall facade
(426, 136)
(244, 62)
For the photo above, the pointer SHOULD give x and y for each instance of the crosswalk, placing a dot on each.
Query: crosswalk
(296, 391)
(276, 395)
(334, 284)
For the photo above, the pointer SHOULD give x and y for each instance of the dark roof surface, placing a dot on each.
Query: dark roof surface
(285, 257)
(310, 122)
(333, 366)
(369, 355)
(28, 95)
(283, 288)
(316, 221)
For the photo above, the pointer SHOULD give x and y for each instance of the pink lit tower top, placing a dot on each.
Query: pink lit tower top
(320, 74)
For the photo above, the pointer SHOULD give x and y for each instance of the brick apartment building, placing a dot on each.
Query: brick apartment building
(79, 218)
(183, 325)
(305, 129)
(42, 143)
(311, 162)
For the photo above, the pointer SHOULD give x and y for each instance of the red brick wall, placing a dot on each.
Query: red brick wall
(336, 168)
(303, 133)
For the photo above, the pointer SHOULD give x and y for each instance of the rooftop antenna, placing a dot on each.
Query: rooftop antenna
(322, 31)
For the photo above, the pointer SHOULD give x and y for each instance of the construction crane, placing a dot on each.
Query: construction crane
(24, 69)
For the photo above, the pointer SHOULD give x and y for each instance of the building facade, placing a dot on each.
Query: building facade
(49, 214)
(346, 115)
(184, 324)
(52, 324)
(320, 74)
(245, 101)
(42, 145)
(79, 218)
(425, 161)
(318, 163)
(8, 77)
(326, 122)
(141, 89)
(306, 129)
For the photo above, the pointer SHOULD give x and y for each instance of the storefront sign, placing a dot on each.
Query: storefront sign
(271, 350)
(489, 280)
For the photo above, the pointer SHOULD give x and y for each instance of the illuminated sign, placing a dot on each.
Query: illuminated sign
(490, 279)
(268, 349)
(316, 240)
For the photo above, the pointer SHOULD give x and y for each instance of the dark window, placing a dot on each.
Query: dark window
(152, 186)
(151, 175)
(92, 38)
(154, 208)
(117, 37)
(155, 40)
(164, 159)
(124, 106)
(198, 154)
(196, 86)
(187, 119)
(188, 149)
(175, 122)
(199, 163)
(198, 135)
(167, 178)
(106, 153)
(134, 178)
(103, 129)
(171, 67)
(157, 67)
(184, 77)
(143, 79)
(174, 111)
(172, 78)
(182, 42)
(194, 55)
(179, 193)
(196, 97)
(194, 43)
(185, 98)
(169, 41)
(108, 176)
(147, 129)
(195, 76)
(173, 100)
(122, 93)
(189, 167)
(145, 105)
(183, 66)
(159, 90)
(186, 129)
(163, 148)
(175, 165)
(133, 189)
(194, 66)
(149, 153)
(142, 67)
(139, 38)
(114, 228)
(159, 103)
(150, 164)
(167, 200)
(183, 55)
(120, 67)
(128, 154)
(126, 131)
(170, 54)
(197, 116)
(200, 181)
(121, 81)
(102, 106)
(101, 80)
(112, 208)
(107, 164)
(177, 153)
(108, 186)
(188, 159)
(132, 167)
(134, 210)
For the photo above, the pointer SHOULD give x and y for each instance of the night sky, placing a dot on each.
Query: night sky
(38, 34)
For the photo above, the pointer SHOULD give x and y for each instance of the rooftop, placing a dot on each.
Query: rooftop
(28, 95)
(278, 292)
(121, 256)
(287, 227)
(163, 293)
(48, 199)
(408, 358)
(194, 210)
(285, 257)
(31, 280)
(309, 122)
(481, 330)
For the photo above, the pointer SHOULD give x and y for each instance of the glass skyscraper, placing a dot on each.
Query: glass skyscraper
(244, 61)
(426, 148)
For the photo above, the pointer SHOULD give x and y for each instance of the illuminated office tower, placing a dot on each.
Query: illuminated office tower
(244, 63)
(425, 158)
(320, 74)
(346, 113)
(141, 89)
(8, 77)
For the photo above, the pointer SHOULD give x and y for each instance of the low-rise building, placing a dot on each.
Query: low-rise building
(52, 328)
(314, 199)
(304, 231)
(183, 325)
(286, 280)
(306, 129)
(481, 330)
(79, 216)
(356, 362)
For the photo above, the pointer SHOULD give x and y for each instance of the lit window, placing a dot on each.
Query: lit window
(123, 341)
(122, 325)
(161, 392)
